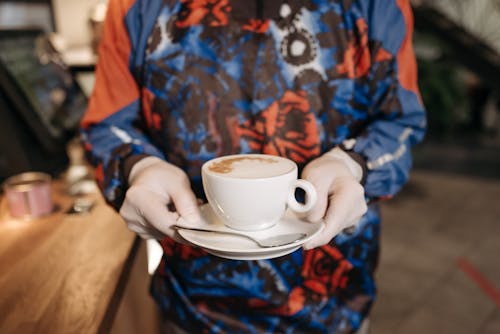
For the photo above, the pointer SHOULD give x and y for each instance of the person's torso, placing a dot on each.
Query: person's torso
(220, 77)
(220, 83)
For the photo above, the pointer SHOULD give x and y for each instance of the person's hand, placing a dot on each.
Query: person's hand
(156, 186)
(341, 201)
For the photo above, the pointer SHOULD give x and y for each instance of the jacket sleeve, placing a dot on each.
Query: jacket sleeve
(112, 128)
(397, 118)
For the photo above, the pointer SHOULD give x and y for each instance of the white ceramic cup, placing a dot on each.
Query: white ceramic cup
(251, 192)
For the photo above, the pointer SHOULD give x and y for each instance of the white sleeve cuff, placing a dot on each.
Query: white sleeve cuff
(140, 165)
(339, 154)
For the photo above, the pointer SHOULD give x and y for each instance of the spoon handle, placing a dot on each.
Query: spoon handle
(216, 231)
(269, 242)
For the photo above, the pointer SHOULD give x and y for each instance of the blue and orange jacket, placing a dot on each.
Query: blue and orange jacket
(190, 80)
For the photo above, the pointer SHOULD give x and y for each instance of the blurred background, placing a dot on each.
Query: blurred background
(439, 271)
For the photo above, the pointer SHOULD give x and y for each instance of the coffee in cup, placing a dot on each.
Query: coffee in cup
(251, 192)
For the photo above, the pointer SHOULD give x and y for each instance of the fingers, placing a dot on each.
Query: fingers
(157, 214)
(346, 206)
(186, 205)
(314, 175)
(318, 211)
(146, 232)
(155, 186)
(183, 198)
(144, 212)
(320, 240)
(333, 219)
(137, 224)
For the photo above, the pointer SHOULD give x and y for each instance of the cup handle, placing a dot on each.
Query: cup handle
(311, 196)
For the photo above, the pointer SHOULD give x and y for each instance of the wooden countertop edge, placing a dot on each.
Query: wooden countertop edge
(114, 302)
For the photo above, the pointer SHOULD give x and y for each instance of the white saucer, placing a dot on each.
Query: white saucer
(243, 256)
(241, 248)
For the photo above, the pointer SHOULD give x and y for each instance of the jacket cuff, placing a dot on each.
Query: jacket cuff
(348, 147)
(355, 162)
(361, 161)
(128, 163)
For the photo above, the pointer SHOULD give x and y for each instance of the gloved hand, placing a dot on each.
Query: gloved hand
(154, 186)
(341, 201)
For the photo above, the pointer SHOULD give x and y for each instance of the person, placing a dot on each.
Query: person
(331, 85)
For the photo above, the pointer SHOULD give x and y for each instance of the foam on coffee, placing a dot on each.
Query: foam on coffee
(250, 167)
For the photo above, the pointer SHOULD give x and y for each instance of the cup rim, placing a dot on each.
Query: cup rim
(204, 167)
(26, 181)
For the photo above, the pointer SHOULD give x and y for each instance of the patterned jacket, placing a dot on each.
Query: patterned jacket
(190, 80)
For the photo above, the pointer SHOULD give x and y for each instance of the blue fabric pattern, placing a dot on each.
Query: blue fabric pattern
(311, 76)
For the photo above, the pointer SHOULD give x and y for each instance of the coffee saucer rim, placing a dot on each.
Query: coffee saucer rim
(299, 224)
(252, 256)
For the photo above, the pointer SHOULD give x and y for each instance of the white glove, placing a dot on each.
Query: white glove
(341, 201)
(154, 184)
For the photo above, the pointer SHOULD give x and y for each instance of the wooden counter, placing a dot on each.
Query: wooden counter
(64, 273)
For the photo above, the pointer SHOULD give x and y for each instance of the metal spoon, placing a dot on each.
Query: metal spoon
(275, 241)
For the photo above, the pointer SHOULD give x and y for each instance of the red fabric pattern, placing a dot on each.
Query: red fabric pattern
(198, 10)
(257, 26)
(287, 128)
(325, 270)
(356, 61)
(407, 63)
(115, 87)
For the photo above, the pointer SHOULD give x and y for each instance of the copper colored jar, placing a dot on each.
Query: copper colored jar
(29, 194)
